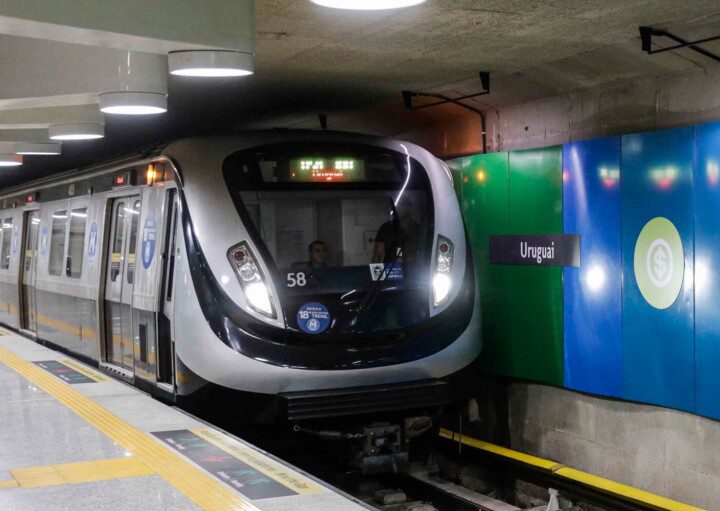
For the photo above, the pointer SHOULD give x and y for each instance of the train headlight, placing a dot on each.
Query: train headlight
(442, 281)
(251, 279)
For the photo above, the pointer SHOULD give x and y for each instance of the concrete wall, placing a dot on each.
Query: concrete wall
(618, 108)
(674, 454)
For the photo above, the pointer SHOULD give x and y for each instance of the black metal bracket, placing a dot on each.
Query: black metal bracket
(647, 33)
(444, 100)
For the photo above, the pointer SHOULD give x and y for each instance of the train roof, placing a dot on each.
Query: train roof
(240, 140)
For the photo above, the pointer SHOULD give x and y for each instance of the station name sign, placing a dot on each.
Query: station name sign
(535, 249)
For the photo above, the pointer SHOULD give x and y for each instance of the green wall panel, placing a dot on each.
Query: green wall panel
(535, 348)
(485, 208)
(516, 193)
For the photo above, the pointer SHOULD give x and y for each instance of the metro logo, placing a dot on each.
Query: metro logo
(659, 263)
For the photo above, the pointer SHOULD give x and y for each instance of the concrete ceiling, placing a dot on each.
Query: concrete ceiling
(312, 60)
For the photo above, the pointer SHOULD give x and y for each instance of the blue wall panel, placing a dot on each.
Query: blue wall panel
(658, 344)
(707, 269)
(593, 293)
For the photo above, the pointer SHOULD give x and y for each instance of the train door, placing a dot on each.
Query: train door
(28, 315)
(119, 275)
(166, 348)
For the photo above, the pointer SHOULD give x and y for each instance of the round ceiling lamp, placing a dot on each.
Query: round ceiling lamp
(138, 85)
(367, 5)
(77, 131)
(210, 63)
(26, 148)
(133, 103)
(10, 160)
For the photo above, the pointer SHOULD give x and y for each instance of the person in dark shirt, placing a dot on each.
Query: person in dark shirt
(397, 240)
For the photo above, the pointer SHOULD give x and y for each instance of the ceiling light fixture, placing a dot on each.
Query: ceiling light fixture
(37, 149)
(133, 103)
(79, 131)
(367, 5)
(210, 63)
(10, 160)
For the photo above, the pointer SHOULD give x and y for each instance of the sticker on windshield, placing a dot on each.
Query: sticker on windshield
(379, 272)
(313, 318)
(92, 243)
(148, 240)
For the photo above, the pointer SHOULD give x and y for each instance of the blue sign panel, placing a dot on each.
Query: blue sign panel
(149, 234)
(313, 318)
(657, 247)
(707, 268)
(592, 298)
(44, 242)
(92, 243)
(15, 241)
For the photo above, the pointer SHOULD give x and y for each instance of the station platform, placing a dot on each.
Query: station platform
(73, 438)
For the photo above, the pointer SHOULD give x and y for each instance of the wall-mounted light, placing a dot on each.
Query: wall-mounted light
(26, 148)
(367, 5)
(133, 103)
(77, 131)
(210, 63)
(10, 160)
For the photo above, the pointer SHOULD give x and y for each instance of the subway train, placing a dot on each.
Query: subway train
(323, 273)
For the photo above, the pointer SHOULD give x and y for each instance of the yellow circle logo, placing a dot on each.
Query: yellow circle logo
(659, 262)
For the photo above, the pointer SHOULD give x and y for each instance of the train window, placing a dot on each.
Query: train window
(76, 243)
(117, 244)
(7, 233)
(132, 242)
(57, 242)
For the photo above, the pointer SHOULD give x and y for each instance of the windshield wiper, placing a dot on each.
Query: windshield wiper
(371, 296)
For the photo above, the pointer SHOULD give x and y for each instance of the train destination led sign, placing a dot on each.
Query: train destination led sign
(326, 170)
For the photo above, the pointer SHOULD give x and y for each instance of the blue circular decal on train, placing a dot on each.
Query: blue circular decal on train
(313, 318)
(44, 242)
(148, 240)
(92, 242)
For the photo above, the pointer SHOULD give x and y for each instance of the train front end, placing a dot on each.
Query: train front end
(326, 271)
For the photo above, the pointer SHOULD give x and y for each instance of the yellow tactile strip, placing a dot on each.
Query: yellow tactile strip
(616, 489)
(6, 485)
(80, 472)
(204, 490)
(83, 370)
(274, 470)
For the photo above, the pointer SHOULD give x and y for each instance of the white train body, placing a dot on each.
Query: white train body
(137, 266)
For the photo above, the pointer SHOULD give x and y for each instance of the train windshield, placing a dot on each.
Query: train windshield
(345, 226)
